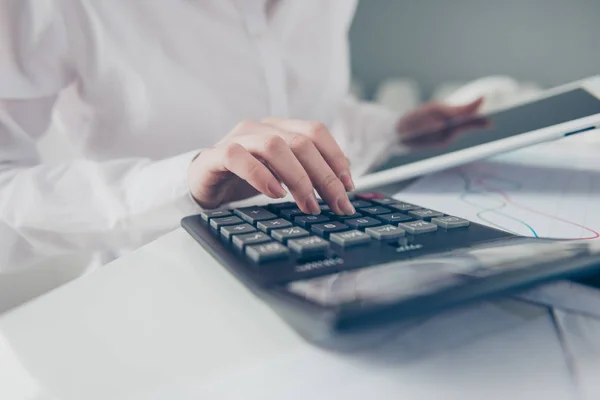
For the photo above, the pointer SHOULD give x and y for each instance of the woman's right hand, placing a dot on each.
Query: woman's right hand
(255, 157)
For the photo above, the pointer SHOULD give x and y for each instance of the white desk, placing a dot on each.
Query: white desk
(167, 322)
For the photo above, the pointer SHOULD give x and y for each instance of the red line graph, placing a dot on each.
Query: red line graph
(482, 182)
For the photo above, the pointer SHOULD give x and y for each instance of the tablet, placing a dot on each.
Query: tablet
(562, 111)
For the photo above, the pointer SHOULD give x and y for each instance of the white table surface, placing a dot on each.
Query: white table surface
(167, 322)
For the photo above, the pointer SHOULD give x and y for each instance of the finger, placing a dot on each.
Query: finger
(324, 179)
(236, 159)
(271, 147)
(463, 110)
(325, 143)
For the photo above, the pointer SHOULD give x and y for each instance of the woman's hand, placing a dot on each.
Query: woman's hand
(256, 157)
(436, 124)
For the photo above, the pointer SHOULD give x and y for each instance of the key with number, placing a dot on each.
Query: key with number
(418, 227)
(394, 218)
(283, 235)
(306, 221)
(312, 245)
(425, 214)
(224, 221)
(385, 201)
(325, 229)
(364, 222)
(230, 230)
(254, 214)
(375, 210)
(400, 206)
(291, 213)
(241, 241)
(207, 215)
(450, 222)
(350, 238)
(385, 232)
(260, 253)
(333, 215)
(361, 203)
(268, 226)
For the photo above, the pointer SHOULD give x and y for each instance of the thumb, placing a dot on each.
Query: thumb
(466, 109)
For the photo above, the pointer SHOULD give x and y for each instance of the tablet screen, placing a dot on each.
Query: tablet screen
(543, 113)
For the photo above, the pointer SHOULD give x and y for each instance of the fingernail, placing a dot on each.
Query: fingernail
(345, 205)
(276, 189)
(313, 205)
(347, 181)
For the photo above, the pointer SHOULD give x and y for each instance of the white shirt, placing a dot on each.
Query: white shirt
(140, 87)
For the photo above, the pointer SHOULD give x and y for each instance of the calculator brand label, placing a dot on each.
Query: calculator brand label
(409, 247)
(311, 266)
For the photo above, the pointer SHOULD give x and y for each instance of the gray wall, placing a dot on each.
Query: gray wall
(547, 41)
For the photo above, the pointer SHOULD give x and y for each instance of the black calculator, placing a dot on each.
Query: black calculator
(332, 275)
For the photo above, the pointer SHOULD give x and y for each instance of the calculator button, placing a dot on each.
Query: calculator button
(394, 218)
(325, 229)
(229, 231)
(309, 245)
(350, 238)
(376, 210)
(361, 203)
(385, 201)
(306, 221)
(324, 207)
(268, 226)
(254, 214)
(364, 222)
(450, 222)
(267, 252)
(400, 206)
(425, 214)
(385, 232)
(224, 221)
(207, 215)
(369, 196)
(288, 233)
(418, 227)
(333, 215)
(276, 207)
(240, 241)
(290, 213)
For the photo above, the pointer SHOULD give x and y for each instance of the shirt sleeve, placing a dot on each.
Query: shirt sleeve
(366, 132)
(82, 205)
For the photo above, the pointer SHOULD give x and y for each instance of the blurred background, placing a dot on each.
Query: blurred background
(439, 44)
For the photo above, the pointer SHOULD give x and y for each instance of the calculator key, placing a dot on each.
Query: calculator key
(376, 210)
(224, 221)
(361, 203)
(324, 207)
(418, 227)
(350, 238)
(369, 196)
(364, 222)
(450, 222)
(291, 213)
(321, 202)
(333, 215)
(207, 215)
(385, 232)
(230, 230)
(384, 201)
(268, 226)
(400, 206)
(309, 245)
(241, 241)
(425, 214)
(394, 218)
(254, 214)
(306, 221)
(288, 233)
(266, 252)
(276, 207)
(325, 229)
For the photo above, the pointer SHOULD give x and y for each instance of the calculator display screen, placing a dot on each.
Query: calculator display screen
(397, 281)
(543, 113)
